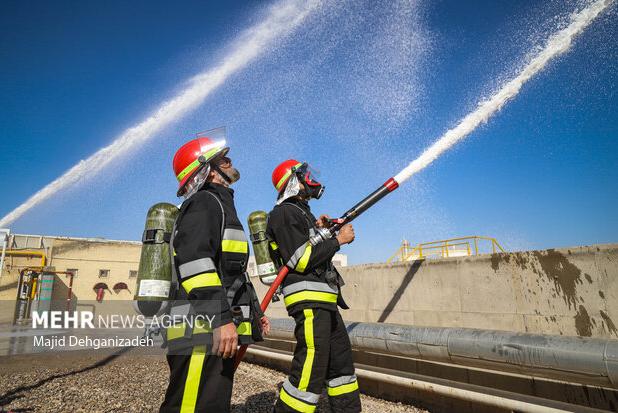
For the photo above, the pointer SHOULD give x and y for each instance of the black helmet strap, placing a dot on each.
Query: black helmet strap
(220, 172)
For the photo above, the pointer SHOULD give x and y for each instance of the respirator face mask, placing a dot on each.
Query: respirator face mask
(309, 177)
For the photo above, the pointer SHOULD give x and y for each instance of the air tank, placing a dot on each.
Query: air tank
(266, 269)
(154, 276)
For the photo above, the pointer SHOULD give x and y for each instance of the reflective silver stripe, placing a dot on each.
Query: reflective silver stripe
(297, 255)
(235, 235)
(245, 311)
(300, 395)
(196, 267)
(180, 310)
(340, 381)
(308, 285)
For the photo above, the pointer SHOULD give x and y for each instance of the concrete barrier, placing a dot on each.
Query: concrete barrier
(569, 291)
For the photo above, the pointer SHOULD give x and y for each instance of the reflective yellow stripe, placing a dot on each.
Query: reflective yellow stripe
(295, 403)
(343, 389)
(194, 375)
(230, 245)
(189, 168)
(286, 176)
(175, 332)
(201, 327)
(304, 260)
(244, 328)
(310, 296)
(274, 246)
(208, 279)
(178, 331)
(306, 373)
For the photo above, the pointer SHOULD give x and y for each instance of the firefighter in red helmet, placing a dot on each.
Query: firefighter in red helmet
(215, 307)
(312, 295)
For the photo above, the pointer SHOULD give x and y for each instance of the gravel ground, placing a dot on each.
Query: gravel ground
(129, 382)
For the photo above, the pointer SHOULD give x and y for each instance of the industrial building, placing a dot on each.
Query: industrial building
(82, 269)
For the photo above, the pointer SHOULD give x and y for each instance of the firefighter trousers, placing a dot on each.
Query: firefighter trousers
(322, 358)
(198, 383)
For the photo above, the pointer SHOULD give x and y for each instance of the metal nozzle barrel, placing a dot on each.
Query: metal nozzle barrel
(369, 201)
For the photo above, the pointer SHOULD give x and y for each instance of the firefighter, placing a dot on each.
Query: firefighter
(210, 253)
(311, 290)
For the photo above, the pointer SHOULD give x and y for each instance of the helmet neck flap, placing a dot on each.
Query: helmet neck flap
(310, 188)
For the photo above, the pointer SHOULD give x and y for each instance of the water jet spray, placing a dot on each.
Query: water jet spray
(557, 44)
(282, 19)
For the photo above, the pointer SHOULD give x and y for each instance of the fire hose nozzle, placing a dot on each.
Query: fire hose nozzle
(321, 234)
(334, 221)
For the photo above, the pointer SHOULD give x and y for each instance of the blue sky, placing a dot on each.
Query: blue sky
(359, 90)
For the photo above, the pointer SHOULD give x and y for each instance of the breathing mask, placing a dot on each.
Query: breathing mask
(308, 177)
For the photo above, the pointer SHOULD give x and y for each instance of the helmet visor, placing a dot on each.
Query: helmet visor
(216, 148)
(311, 175)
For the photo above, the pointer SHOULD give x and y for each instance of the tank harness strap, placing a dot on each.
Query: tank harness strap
(156, 236)
(174, 283)
(222, 212)
(234, 289)
(333, 278)
(272, 246)
(237, 265)
(239, 282)
(231, 291)
(311, 224)
(167, 237)
(260, 236)
(174, 286)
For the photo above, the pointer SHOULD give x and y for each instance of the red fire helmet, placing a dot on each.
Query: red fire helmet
(282, 173)
(192, 154)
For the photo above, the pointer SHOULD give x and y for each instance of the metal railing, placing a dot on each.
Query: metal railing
(452, 247)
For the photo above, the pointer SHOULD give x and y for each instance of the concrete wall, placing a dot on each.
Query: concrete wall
(89, 257)
(570, 291)
(85, 255)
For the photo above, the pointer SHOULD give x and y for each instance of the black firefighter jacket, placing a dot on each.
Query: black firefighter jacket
(312, 281)
(210, 258)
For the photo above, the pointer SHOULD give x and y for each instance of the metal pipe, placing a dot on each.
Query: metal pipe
(578, 359)
(531, 404)
(5, 239)
(24, 290)
(70, 296)
(29, 254)
(23, 305)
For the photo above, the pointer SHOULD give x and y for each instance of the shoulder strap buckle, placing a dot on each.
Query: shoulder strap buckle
(156, 236)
